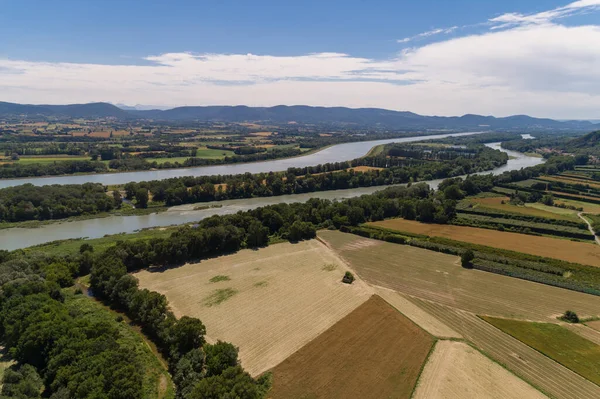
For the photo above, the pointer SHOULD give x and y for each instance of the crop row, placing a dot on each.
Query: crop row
(502, 224)
(465, 207)
(548, 271)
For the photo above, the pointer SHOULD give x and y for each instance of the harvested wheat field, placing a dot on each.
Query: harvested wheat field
(439, 277)
(570, 251)
(594, 324)
(423, 319)
(552, 378)
(268, 302)
(455, 370)
(374, 352)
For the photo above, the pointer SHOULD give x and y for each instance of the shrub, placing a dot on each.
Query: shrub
(348, 278)
(466, 258)
(570, 317)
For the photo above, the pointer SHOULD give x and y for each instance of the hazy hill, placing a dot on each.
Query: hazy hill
(587, 141)
(363, 117)
(92, 110)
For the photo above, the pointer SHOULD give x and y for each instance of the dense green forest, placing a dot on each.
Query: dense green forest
(29, 202)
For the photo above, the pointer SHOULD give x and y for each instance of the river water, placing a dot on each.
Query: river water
(336, 153)
(93, 228)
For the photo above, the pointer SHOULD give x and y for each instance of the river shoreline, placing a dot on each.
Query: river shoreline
(15, 238)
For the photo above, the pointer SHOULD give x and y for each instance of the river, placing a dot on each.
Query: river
(93, 228)
(335, 153)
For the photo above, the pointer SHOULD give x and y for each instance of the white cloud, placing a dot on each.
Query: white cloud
(429, 33)
(543, 69)
(545, 17)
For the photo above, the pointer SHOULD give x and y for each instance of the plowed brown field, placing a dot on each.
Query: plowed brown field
(571, 251)
(374, 352)
(268, 302)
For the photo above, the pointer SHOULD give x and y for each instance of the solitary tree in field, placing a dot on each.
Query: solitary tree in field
(570, 317)
(466, 258)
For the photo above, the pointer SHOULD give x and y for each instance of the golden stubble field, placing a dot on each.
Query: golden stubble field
(269, 302)
(571, 251)
(439, 277)
(455, 370)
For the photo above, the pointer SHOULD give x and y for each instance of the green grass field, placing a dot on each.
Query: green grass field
(205, 153)
(46, 160)
(566, 347)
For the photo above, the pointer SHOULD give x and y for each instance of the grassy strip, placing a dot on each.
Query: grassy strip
(556, 342)
(71, 246)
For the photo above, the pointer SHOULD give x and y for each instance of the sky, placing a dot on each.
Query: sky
(536, 57)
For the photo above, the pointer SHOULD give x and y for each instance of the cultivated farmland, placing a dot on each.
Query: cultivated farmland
(374, 352)
(502, 204)
(440, 277)
(558, 343)
(268, 302)
(570, 251)
(455, 370)
(532, 366)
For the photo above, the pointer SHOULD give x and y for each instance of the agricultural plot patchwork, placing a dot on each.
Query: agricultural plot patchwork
(268, 302)
(374, 352)
(570, 251)
(443, 291)
(455, 370)
(558, 343)
(502, 205)
(439, 277)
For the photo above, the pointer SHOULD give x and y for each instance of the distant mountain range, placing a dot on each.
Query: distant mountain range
(362, 117)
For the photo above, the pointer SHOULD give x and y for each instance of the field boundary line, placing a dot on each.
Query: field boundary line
(431, 350)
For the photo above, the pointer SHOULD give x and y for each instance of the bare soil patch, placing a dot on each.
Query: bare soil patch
(277, 299)
(571, 251)
(374, 352)
(455, 370)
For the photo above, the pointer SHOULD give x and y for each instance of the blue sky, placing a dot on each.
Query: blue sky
(434, 57)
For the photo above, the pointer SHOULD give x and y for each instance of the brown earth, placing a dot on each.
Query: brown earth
(571, 251)
(374, 352)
